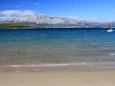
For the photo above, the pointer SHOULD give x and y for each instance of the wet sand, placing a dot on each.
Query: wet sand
(94, 78)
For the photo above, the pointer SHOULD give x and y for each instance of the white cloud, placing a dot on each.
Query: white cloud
(36, 4)
(73, 17)
(19, 13)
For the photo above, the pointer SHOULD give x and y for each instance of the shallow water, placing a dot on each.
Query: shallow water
(56, 46)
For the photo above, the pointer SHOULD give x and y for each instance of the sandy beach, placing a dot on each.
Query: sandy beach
(94, 78)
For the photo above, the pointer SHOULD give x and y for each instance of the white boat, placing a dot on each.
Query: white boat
(110, 30)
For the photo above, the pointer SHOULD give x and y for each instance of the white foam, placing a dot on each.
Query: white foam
(112, 54)
(48, 65)
(14, 65)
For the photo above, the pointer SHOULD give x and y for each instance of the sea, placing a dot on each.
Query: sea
(57, 47)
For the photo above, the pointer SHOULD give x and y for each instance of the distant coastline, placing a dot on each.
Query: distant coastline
(13, 26)
(34, 26)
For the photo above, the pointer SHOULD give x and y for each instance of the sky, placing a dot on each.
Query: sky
(93, 10)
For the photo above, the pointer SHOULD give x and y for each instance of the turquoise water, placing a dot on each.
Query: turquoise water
(51, 46)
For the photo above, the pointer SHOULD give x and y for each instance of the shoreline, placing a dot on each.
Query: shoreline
(67, 67)
(42, 28)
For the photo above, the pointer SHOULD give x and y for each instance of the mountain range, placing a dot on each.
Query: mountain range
(44, 21)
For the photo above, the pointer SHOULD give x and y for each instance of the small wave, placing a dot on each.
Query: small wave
(47, 65)
(112, 54)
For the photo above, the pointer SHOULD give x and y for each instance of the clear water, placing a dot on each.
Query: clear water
(49, 46)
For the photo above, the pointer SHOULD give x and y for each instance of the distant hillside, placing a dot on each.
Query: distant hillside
(43, 21)
(13, 26)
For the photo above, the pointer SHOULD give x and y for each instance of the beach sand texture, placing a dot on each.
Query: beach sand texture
(95, 78)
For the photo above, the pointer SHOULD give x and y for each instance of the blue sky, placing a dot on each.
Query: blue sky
(99, 10)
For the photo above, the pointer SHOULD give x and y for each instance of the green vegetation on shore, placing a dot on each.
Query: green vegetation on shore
(7, 25)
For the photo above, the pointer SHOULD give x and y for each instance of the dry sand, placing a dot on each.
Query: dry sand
(95, 78)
